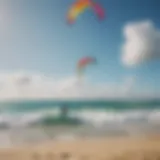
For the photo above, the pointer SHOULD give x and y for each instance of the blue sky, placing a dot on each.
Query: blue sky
(36, 37)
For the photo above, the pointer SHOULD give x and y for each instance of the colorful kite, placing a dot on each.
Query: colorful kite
(80, 6)
(82, 63)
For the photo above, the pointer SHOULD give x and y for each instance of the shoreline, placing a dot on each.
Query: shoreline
(95, 148)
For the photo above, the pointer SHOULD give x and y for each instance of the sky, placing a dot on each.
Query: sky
(39, 50)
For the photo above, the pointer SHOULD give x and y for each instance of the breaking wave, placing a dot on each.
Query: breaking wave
(94, 117)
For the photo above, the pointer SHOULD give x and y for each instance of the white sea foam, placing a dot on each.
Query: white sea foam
(15, 127)
(96, 117)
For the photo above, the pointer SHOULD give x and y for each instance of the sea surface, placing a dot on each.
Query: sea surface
(33, 122)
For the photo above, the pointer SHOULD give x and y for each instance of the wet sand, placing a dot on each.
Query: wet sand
(144, 148)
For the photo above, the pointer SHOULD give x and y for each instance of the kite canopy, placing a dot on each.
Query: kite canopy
(83, 63)
(80, 6)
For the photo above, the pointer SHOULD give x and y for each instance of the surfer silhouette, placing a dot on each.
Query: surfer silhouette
(64, 111)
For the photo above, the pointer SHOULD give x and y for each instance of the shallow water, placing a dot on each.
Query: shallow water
(31, 123)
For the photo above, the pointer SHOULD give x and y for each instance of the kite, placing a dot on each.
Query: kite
(80, 6)
(83, 63)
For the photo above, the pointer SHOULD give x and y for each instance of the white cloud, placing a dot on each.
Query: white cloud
(142, 43)
(23, 85)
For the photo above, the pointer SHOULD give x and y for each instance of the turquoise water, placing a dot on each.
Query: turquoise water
(27, 121)
(122, 105)
(49, 112)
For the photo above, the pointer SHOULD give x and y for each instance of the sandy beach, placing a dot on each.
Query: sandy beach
(87, 149)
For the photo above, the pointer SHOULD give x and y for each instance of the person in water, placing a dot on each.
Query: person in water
(64, 111)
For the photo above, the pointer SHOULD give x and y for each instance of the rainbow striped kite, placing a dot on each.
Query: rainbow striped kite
(80, 6)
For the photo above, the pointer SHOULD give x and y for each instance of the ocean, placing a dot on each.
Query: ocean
(26, 122)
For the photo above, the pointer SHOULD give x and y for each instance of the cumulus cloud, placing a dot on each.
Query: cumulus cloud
(142, 43)
(23, 85)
